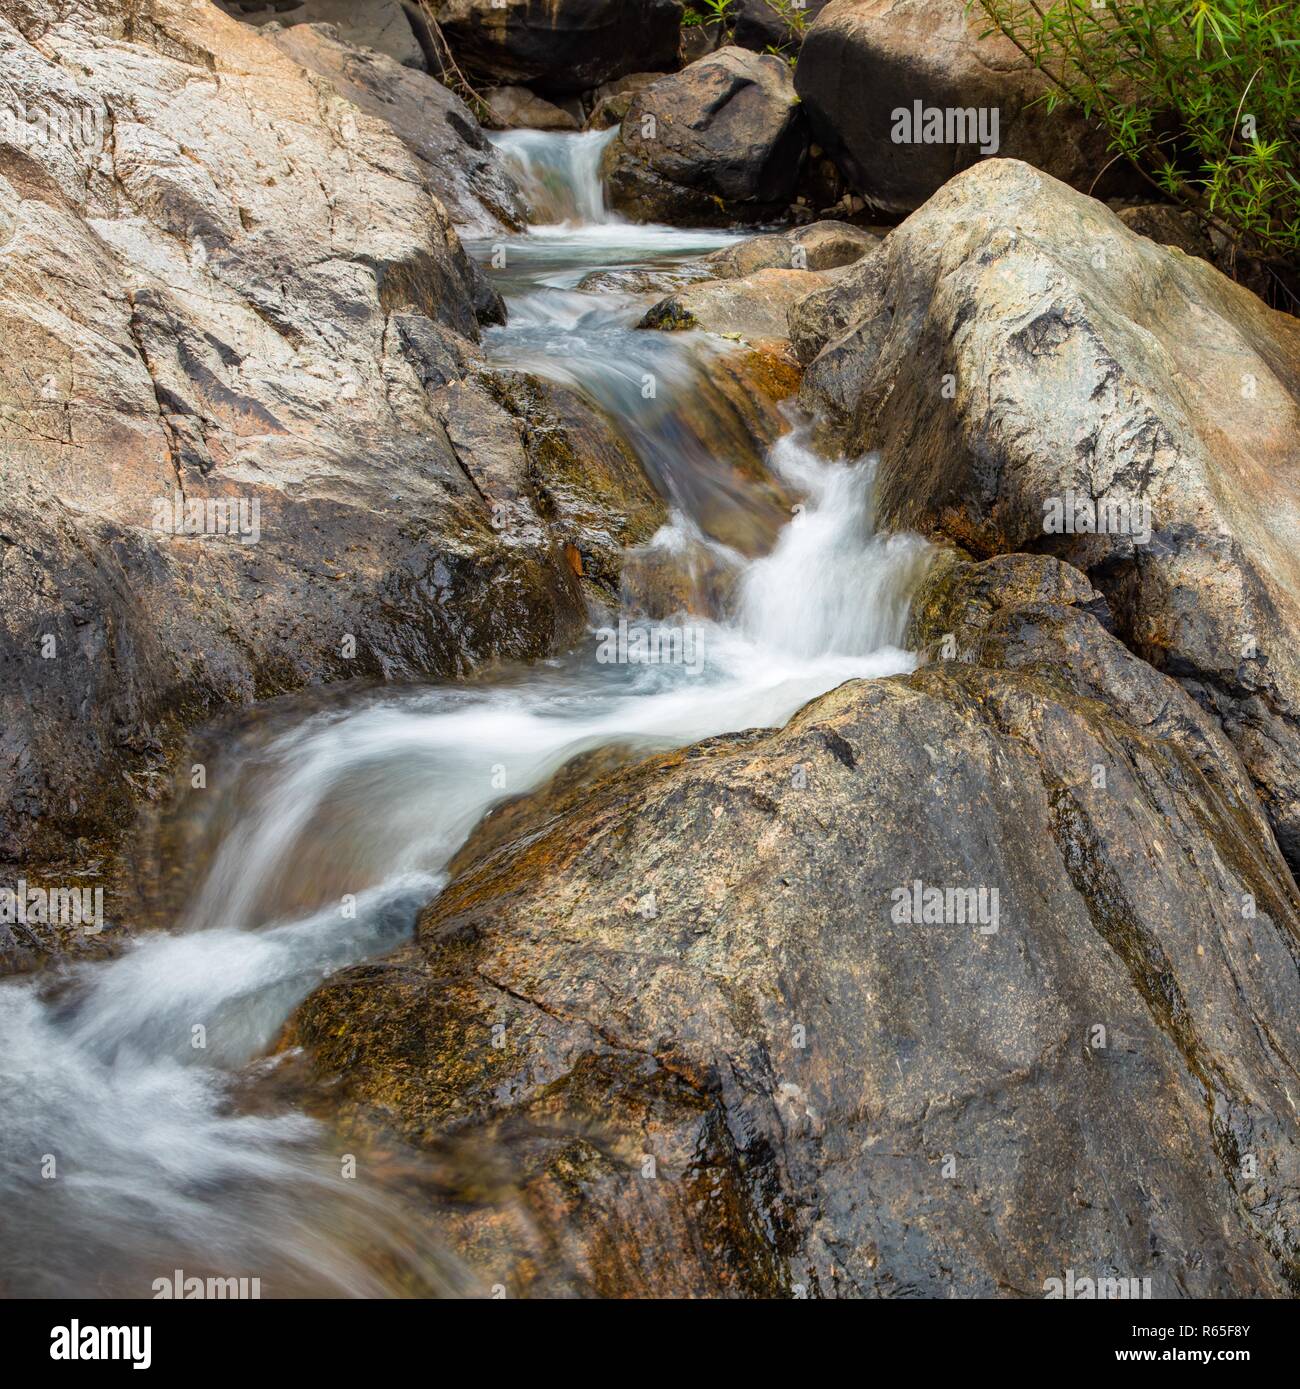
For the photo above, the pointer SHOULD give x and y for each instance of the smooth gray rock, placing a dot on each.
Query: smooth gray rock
(1013, 347)
(463, 170)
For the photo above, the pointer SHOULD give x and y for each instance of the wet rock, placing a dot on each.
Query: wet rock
(633, 279)
(516, 108)
(819, 246)
(590, 488)
(1015, 353)
(462, 169)
(228, 314)
(863, 61)
(719, 142)
(755, 307)
(690, 1009)
(560, 47)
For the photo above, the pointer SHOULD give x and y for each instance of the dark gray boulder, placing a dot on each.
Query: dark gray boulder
(721, 141)
(560, 47)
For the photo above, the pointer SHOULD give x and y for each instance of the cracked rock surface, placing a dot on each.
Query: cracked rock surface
(1012, 343)
(224, 284)
(670, 1016)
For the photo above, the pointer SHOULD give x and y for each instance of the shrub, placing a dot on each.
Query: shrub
(1200, 95)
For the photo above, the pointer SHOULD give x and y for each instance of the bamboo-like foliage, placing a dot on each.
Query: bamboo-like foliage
(1200, 95)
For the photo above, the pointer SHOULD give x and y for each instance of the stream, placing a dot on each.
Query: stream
(145, 1131)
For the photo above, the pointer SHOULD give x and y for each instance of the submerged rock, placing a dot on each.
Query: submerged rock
(721, 141)
(1036, 376)
(961, 981)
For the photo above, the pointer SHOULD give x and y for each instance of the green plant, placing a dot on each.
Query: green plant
(1199, 95)
(794, 13)
(710, 12)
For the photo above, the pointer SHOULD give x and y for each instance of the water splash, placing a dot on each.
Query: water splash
(558, 174)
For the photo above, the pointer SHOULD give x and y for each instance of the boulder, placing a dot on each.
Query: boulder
(755, 307)
(383, 26)
(1170, 226)
(462, 169)
(560, 47)
(1030, 370)
(516, 108)
(818, 246)
(245, 445)
(610, 101)
(692, 1009)
(864, 62)
(762, 24)
(721, 141)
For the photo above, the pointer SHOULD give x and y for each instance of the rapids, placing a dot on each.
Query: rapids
(143, 1129)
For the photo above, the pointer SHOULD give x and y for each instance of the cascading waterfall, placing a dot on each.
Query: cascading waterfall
(161, 1163)
(558, 175)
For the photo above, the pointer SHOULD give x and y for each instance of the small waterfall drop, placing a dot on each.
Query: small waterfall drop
(558, 173)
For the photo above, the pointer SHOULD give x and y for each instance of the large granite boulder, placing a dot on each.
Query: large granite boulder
(865, 61)
(721, 141)
(244, 447)
(1038, 377)
(962, 983)
(462, 168)
(560, 47)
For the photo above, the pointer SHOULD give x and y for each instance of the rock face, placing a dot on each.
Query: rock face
(560, 47)
(232, 309)
(461, 167)
(863, 61)
(382, 26)
(721, 141)
(1016, 353)
(693, 1014)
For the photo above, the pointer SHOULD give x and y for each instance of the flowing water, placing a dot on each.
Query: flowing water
(142, 1132)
